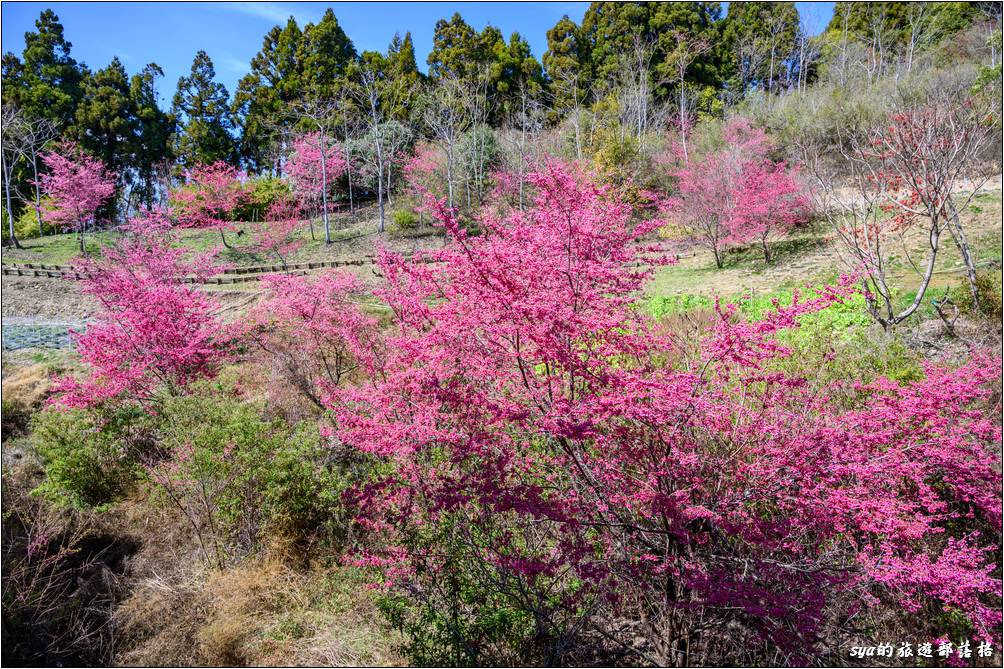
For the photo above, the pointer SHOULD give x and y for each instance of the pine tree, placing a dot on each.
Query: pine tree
(46, 81)
(152, 141)
(203, 113)
(263, 95)
(568, 64)
(325, 54)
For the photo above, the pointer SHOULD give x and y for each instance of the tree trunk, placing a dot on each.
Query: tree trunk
(449, 177)
(324, 193)
(38, 198)
(959, 236)
(7, 178)
(222, 236)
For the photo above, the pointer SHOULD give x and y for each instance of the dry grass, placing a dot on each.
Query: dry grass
(263, 612)
(24, 390)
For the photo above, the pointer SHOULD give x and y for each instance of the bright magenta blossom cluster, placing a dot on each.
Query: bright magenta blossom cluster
(737, 194)
(76, 185)
(305, 166)
(560, 437)
(155, 332)
(535, 422)
(210, 194)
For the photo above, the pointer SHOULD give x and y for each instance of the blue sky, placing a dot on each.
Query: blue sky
(169, 34)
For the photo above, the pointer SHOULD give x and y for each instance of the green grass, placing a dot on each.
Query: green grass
(64, 249)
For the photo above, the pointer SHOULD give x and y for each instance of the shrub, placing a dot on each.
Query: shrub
(260, 193)
(404, 219)
(26, 225)
(526, 413)
(86, 461)
(242, 479)
(988, 290)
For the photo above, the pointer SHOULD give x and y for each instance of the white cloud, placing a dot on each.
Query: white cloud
(274, 12)
(235, 65)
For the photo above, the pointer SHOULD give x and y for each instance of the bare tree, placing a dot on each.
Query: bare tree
(12, 151)
(921, 166)
(444, 115)
(688, 49)
(524, 128)
(368, 96)
(34, 135)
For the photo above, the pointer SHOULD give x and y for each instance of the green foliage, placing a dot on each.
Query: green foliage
(87, 461)
(202, 108)
(266, 477)
(46, 81)
(839, 344)
(259, 194)
(745, 31)
(26, 224)
(404, 219)
(474, 618)
(988, 291)
(613, 32)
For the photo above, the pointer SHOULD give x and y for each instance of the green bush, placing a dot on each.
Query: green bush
(468, 612)
(259, 194)
(405, 219)
(85, 462)
(268, 479)
(26, 224)
(988, 292)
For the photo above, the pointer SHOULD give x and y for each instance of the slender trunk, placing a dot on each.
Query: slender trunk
(7, 178)
(38, 197)
(380, 169)
(959, 236)
(578, 139)
(222, 236)
(449, 176)
(683, 121)
(380, 202)
(766, 250)
(324, 193)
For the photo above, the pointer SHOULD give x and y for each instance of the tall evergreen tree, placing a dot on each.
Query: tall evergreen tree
(204, 118)
(325, 53)
(617, 30)
(46, 81)
(454, 49)
(103, 123)
(152, 141)
(403, 77)
(568, 64)
(762, 37)
(264, 94)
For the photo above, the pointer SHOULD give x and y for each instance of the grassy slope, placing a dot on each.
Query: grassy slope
(814, 257)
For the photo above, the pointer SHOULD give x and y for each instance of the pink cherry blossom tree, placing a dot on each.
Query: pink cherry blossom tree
(538, 428)
(312, 334)
(315, 167)
(76, 185)
(155, 332)
(277, 235)
(208, 197)
(736, 193)
(771, 201)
